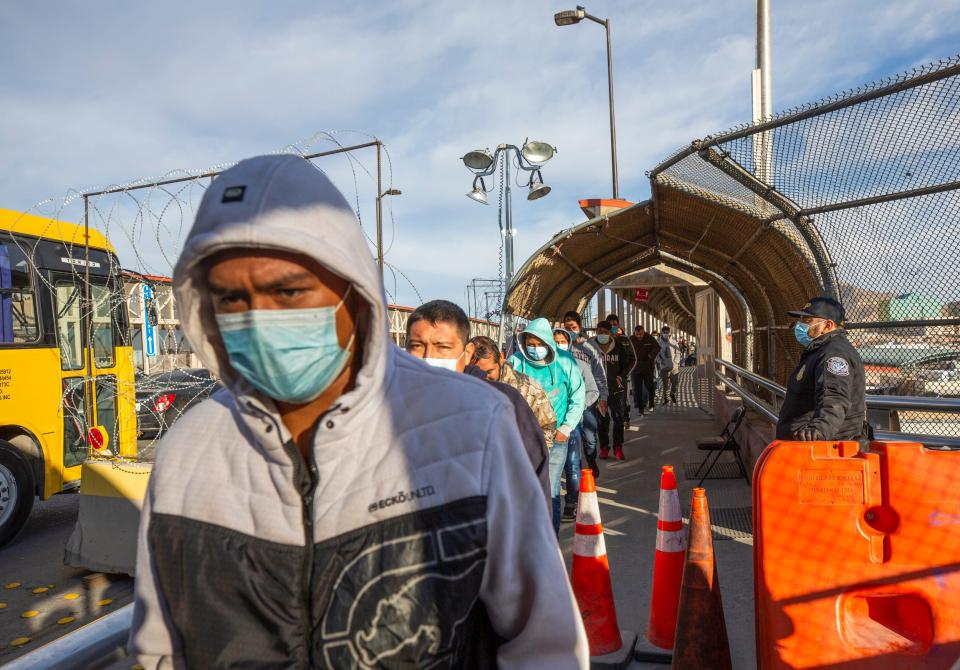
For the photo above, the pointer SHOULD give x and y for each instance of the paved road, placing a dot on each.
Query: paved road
(41, 597)
(55, 592)
(628, 492)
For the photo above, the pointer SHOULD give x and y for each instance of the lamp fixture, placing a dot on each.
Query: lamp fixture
(537, 190)
(479, 192)
(569, 16)
(537, 152)
(478, 160)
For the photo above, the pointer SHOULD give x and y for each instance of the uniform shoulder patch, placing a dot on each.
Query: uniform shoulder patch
(838, 366)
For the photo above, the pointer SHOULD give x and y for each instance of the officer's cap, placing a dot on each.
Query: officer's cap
(821, 308)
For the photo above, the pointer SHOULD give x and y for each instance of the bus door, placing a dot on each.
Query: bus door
(88, 362)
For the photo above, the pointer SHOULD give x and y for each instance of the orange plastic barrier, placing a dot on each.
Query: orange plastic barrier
(857, 556)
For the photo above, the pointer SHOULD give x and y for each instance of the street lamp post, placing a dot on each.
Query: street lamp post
(380, 196)
(482, 163)
(569, 18)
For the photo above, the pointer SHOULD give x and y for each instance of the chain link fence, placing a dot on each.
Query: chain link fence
(864, 185)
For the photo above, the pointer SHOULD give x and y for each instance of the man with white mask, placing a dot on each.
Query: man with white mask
(339, 503)
(439, 333)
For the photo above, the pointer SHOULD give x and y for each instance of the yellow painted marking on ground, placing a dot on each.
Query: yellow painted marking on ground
(136, 666)
(29, 614)
(65, 620)
(71, 596)
(104, 602)
(19, 642)
(3, 606)
(12, 585)
(41, 589)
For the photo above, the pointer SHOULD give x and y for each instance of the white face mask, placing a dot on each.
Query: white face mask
(448, 363)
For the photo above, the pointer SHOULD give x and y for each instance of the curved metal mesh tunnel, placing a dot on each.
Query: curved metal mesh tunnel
(856, 196)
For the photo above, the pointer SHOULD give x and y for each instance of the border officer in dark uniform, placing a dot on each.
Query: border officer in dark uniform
(826, 393)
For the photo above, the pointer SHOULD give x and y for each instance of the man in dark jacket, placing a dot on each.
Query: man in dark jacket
(826, 393)
(619, 363)
(647, 349)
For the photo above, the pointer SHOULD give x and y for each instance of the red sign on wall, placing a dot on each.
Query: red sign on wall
(642, 295)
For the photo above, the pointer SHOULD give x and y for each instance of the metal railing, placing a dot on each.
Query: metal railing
(93, 646)
(889, 403)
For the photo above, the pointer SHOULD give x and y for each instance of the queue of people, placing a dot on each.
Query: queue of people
(345, 503)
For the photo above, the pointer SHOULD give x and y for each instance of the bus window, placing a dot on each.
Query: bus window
(18, 307)
(74, 421)
(102, 326)
(107, 407)
(69, 325)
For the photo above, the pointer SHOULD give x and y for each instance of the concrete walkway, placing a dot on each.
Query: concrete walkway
(629, 497)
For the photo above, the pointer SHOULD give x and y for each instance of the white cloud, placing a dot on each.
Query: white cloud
(106, 93)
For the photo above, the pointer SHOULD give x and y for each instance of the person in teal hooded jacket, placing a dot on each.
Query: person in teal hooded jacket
(557, 372)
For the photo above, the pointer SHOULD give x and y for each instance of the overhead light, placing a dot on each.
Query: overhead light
(478, 159)
(478, 193)
(569, 17)
(537, 191)
(537, 152)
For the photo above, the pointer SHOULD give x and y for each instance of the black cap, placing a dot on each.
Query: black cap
(821, 308)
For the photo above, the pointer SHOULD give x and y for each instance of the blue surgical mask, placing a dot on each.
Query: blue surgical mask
(291, 355)
(563, 346)
(614, 329)
(536, 353)
(603, 339)
(801, 332)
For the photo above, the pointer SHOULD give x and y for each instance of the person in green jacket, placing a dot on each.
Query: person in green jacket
(537, 356)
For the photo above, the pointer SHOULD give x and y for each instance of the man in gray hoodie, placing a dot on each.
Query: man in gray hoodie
(340, 503)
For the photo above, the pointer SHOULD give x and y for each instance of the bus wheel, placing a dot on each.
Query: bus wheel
(16, 492)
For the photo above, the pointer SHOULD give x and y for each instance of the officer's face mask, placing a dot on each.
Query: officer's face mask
(801, 331)
(291, 355)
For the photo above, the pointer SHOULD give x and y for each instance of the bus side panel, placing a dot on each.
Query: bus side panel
(31, 399)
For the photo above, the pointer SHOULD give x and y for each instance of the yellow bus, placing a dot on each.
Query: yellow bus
(64, 368)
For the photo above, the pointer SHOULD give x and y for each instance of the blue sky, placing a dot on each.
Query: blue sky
(99, 93)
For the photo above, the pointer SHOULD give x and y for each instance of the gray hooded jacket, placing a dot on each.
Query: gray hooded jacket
(415, 535)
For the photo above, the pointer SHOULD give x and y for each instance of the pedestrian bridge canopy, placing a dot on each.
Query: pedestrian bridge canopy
(854, 196)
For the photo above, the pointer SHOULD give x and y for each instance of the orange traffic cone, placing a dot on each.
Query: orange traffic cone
(701, 638)
(667, 564)
(592, 586)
